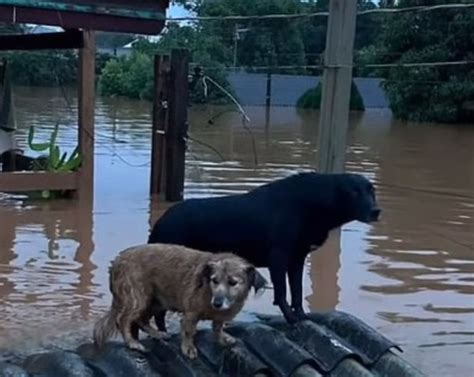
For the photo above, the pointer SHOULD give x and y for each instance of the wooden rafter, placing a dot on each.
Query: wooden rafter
(62, 40)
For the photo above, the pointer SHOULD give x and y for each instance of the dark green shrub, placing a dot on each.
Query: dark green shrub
(312, 99)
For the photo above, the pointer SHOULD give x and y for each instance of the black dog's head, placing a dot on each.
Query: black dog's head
(359, 198)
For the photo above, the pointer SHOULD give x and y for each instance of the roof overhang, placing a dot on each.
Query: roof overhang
(139, 17)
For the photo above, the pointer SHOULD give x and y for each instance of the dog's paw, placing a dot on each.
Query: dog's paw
(226, 339)
(189, 350)
(300, 314)
(291, 318)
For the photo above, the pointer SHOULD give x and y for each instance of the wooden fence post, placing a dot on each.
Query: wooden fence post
(177, 125)
(159, 128)
(7, 123)
(337, 78)
(86, 110)
(268, 98)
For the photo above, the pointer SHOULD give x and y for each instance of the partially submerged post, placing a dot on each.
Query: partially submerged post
(6, 114)
(170, 125)
(268, 96)
(86, 104)
(159, 126)
(178, 125)
(337, 78)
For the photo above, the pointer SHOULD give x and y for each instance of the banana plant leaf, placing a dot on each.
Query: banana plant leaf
(37, 147)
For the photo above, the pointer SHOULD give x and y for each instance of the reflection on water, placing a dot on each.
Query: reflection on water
(410, 276)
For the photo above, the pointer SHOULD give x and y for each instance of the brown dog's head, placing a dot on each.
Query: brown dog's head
(230, 280)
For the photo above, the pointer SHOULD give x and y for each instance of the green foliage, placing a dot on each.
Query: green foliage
(132, 76)
(47, 68)
(312, 99)
(43, 68)
(129, 76)
(426, 93)
(55, 161)
(6, 28)
(278, 42)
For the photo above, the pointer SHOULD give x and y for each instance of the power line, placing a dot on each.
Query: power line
(420, 8)
(322, 66)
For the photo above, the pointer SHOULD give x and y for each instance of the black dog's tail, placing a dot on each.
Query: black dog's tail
(105, 328)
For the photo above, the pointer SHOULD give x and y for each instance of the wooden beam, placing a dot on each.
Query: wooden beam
(61, 40)
(177, 125)
(83, 20)
(35, 181)
(86, 104)
(160, 117)
(337, 78)
(138, 10)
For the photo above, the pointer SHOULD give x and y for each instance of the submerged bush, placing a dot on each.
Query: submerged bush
(312, 99)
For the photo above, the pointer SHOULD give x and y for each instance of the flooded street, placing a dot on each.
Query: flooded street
(411, 276)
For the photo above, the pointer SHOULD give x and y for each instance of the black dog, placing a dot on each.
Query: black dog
(273, 226)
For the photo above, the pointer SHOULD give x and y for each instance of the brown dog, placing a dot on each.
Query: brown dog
(148, 280)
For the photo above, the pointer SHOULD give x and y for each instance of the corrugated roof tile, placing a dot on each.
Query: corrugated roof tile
(334, 344)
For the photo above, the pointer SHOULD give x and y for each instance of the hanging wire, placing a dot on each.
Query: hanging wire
(245, 117)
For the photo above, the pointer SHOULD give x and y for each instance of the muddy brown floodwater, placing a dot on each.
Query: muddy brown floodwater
(411, 276)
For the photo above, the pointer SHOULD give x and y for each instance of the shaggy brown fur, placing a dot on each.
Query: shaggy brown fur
(147, 280)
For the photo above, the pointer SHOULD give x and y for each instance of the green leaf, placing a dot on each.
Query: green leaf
(37, 147)
(74, 161)
(61, 161)
(54, 158)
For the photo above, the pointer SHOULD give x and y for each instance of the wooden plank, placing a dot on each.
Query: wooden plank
(160, 116)
(61, 40)
(34, 181)
(177, 125)
(337, 78)
(86, 107)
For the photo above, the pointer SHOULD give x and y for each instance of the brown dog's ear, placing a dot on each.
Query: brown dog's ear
(204, 273)
(256, 280)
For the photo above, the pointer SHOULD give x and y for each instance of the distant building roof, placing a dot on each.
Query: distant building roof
(141, 17)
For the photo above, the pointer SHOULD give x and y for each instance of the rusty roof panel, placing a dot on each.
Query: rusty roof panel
(142, 17)
(331, 344)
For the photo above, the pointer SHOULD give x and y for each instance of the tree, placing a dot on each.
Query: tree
(427, 93)
(132, 76)
(10, 28)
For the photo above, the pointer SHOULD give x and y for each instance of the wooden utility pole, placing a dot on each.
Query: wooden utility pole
(337, 79)
(160, 121)
(86, 104)
(177, 125)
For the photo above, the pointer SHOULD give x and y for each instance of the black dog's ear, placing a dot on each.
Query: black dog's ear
(256, 280)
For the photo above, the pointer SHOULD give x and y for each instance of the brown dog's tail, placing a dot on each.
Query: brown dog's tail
(105, 328)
